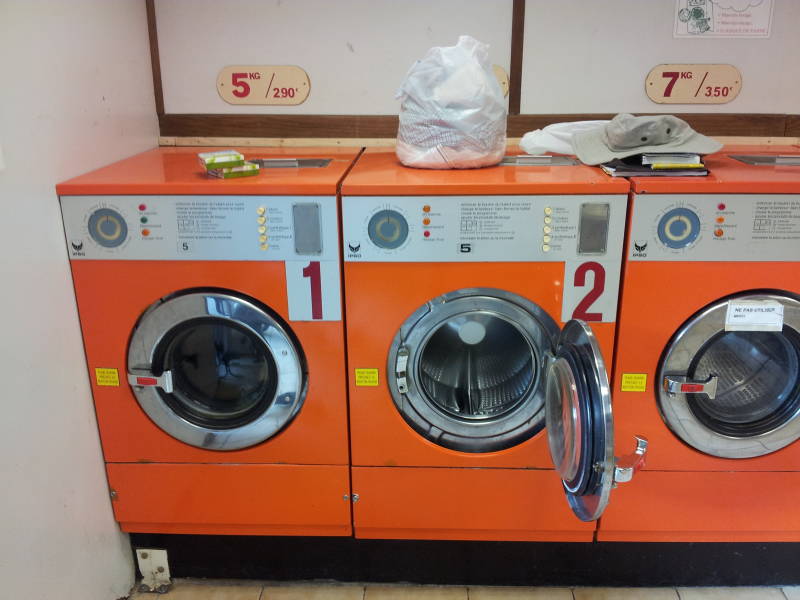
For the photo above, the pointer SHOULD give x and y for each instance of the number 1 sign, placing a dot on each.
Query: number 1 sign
(283, 85)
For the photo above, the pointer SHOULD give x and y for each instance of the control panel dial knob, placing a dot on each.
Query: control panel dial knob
(388, 229)
(107, 227)
(678, 228)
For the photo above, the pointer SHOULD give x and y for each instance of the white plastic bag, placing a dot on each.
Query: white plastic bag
(453, 113)
(557, 137)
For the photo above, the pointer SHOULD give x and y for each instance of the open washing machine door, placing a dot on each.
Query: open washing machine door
(580, 426)
(216, 370)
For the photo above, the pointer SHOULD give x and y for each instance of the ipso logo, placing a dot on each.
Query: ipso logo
(77, 248)
(639, 249)
(354, 250)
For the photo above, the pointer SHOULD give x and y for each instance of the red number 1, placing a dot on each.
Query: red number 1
(312, 271)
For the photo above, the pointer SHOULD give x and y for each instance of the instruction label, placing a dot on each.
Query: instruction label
(634, 382)
(106, 377)
(777, 219)
(754, 315)
(366, 377)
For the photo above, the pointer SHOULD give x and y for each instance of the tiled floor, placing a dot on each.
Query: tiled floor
(185, 589)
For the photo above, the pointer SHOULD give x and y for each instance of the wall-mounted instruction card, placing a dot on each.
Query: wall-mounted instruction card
(723, 18)
(754, 315)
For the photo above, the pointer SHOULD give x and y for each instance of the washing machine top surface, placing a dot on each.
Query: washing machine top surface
(177, 170)
(379, 172)
(729, 175)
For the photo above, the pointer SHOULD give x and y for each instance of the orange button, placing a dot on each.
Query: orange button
(719, 232)
(426, 221)
(145, 232)
(720, 219)
(426, 208)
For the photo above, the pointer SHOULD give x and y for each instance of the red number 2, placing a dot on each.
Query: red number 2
(312, 271)
(598, 286)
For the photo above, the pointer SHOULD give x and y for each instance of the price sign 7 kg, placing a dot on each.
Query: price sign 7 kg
(693, 84)
(283, 85)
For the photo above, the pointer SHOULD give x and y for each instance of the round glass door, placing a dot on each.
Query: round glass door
(215, 370)
(734, 393)
(466, 370)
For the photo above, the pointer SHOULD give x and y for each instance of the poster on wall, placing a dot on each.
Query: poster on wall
(723, 18)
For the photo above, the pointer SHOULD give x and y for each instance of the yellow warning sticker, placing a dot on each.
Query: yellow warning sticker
(109, 377)
(634, 382)
(366, 377)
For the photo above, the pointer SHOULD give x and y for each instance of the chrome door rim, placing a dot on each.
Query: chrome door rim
(531, 321)
(589, 504)
(167, 314)
(676, 360)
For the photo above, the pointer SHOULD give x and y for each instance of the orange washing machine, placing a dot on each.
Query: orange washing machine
(462, 290)
(212, 323)
(708, 357)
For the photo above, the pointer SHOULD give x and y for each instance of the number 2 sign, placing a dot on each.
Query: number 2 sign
(271, 85)
(591, 289)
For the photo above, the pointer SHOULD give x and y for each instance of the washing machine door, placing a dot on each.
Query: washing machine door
(730, 376)
(215, 370)
(580, 426)
(466, 369)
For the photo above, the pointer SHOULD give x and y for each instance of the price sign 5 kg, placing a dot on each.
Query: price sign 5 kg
(284, 85)
(693, 84)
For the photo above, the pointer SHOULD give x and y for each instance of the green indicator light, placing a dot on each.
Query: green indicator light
(143, 219)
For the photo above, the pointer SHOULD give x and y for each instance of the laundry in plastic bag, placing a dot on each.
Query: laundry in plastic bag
(453, 113)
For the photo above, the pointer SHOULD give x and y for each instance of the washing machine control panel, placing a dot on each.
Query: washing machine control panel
(201, 227)
(715, 227)
(483, 228)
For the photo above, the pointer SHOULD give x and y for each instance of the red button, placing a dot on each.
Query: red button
(719, 232)
(146, 381)
(688, 388)
(721, 206)
(427, 233)
(143, 207)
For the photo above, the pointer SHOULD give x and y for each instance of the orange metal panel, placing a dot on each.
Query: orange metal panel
(231, 499)
(464, 504)
(704, 507)
(177, 170)
(379, 297)
(113, 294)
(650, 315)
(380, 173)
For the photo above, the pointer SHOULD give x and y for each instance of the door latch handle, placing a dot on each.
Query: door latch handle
(147, 379)
(626, 466)
(682, 385)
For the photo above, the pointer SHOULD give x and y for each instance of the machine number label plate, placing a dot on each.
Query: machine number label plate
(366, 377)
(106, 377)
(313, 289)
(634, 382)
(590, 290)
(754, 315)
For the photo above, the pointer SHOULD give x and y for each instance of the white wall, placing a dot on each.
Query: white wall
(580, 56)
(356, 52)
(593, 57)
(76, 94)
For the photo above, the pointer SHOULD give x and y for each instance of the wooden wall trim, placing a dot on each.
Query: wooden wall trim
(155, 61)
(792, 126)
(385, 126)
(517, 44)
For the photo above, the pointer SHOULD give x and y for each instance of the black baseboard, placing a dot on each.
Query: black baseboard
(478, 563)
